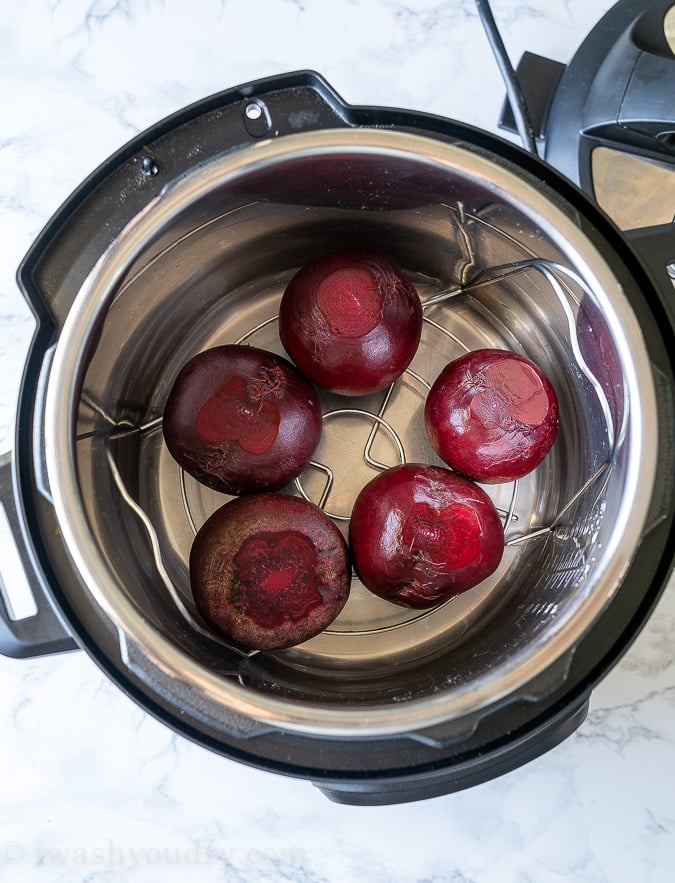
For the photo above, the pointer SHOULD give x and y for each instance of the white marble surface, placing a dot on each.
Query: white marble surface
(92, 788)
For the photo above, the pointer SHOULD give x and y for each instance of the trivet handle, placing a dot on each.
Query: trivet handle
(34, 629)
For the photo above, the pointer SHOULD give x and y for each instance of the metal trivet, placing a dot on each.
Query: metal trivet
(558, 277)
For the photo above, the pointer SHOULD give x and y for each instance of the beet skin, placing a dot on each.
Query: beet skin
(492, 415)
(351, 321)
(269, 571)
(421, 534)
(241, 419)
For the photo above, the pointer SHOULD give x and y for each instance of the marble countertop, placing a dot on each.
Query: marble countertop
(91, 787)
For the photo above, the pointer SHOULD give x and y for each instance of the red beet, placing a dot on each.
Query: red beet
(492, 415)
(421, 534)
(269, 571)
(351, 321)
(241, 419)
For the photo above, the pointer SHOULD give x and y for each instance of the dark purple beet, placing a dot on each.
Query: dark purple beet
(269, 571)
(351, 321)
(421, 534)
(241, 419)
(492, 415)
(601, 357)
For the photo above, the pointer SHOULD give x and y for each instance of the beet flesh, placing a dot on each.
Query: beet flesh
(269, 571)
(492, 415)
(351, 321)
(421, 534)
(241, 419)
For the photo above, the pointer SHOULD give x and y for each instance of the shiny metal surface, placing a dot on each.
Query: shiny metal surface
(499, 262)
(634, 191)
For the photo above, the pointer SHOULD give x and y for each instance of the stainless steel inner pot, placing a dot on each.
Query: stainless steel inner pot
(499, 260)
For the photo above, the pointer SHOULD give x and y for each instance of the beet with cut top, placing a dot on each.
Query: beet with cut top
(269, 571)
(351, 321)
(420, 534)
(492, 415)
(241, 419)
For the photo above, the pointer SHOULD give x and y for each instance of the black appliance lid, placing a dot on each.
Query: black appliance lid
(607, 119)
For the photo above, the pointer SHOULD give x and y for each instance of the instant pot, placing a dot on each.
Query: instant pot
(185, 239)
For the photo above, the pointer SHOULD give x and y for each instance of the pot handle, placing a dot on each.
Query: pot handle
(655, 246)
(29, 625)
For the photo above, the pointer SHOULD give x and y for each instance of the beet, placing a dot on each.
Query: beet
(241, 419)
(600, 354)
(421, 534)
(351, 321)
(269, 571)
(492, 415)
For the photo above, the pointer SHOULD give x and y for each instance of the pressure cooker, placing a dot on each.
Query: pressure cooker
(185, 239)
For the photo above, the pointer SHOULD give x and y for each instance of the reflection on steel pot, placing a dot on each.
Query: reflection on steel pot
(388, 703)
